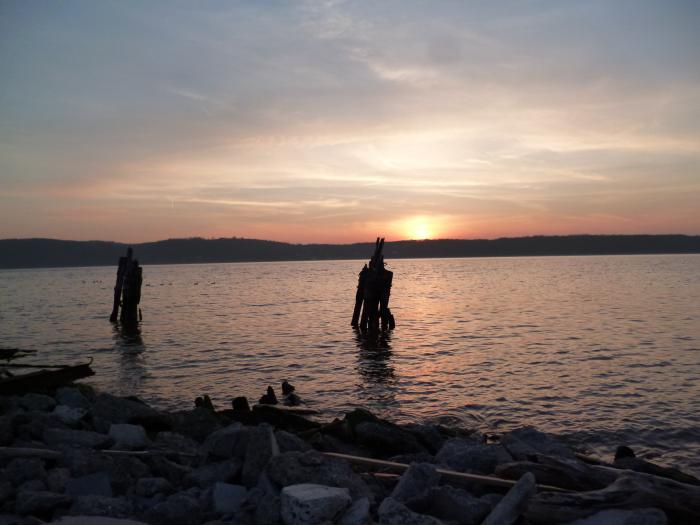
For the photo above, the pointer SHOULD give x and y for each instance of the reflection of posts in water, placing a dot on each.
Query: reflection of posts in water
(374, 358)
(373, 292)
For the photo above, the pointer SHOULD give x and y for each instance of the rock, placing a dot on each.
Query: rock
(128, 436)
(310, 504)
(39, 503)
(624, 517)
(6, 491)
(228, 498)
(149, 487)
(417, 479)
(69, 415)
(33, 485)
(263, 501)
(527, 441)
(240, 404)
(386, 439)
(292, 468)
(289, 442)
(174, 472)
(197, 423)
(513, 503)
(57, 478)
(269, 398)
(97, 484)
(83, 461)
(211, 473)
(174, 442)
(179, 509)
(58, 437)
(19, 470)
(109, 409)
(125, 470)
(101, 506)
(357, 514)
(457, 454)
(287, 388)
(262, 446)
(72, 397)
(37, 402)
(623, 451)
(94, 520)
(427, 435)
(452, 504)
(227, 442)
(392, 512)
(7, 431)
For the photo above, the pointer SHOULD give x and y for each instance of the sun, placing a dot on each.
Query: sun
(419, 228)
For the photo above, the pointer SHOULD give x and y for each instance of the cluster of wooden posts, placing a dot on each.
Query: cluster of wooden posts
(127, 291)
(373, 292)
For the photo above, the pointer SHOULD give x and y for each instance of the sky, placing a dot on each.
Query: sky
(335, 121)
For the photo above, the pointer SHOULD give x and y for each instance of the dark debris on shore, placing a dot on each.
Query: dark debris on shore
(77, 452)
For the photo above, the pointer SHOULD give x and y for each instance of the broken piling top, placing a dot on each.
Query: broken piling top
(377, 260)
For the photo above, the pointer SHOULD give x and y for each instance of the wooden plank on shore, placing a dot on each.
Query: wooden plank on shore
(450, 475)
(22, 452)
(43, 379)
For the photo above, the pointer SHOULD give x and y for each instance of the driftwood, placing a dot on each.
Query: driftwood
(21, 452)
(44, 379)
(641, 465)
(513, 503)
(450, 475)
(632, 490)
(560, 472)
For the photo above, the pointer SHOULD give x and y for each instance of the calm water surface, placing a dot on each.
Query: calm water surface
(604, 350)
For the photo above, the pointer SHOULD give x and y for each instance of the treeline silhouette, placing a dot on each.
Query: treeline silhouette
(37, 253)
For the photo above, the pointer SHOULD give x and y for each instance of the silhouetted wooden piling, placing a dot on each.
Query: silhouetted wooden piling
(123, 261)
(127, 291)
(373, 292)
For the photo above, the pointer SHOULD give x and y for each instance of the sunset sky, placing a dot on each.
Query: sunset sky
(340, 121)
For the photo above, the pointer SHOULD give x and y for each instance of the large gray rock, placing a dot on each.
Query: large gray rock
(263, 501)
(526, 442)
(179, 509)
(57, 478)
(227, 498)
(149, 487)
(174, 442)
(37, 402)
(69, 415)
(101, 506)
(197, 423)
(109, 409)
(39, 502)
(458, 454)
(293, 468)
(72, 397)
(311, 504)
(128, 436)
(417, 479)
(453, 505)
(19, 470)
(392, 512)
(97, 484)
(386, 439)
(262, 446)
(427, 435)
(7, 431)
(357, 513)
(174, 472)
(514, 502)
(61, 437)
(208, 474)
(227, 442)
(289, 442)
(84, 461)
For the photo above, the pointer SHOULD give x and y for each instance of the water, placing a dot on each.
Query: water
(603, 350)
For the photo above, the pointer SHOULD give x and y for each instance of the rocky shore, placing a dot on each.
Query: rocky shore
(74, 455)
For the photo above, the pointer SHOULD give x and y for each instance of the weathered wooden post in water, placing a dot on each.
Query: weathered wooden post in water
(127, 290)
(373, 292)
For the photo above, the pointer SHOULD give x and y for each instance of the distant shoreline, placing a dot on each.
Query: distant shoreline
(52, 253)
